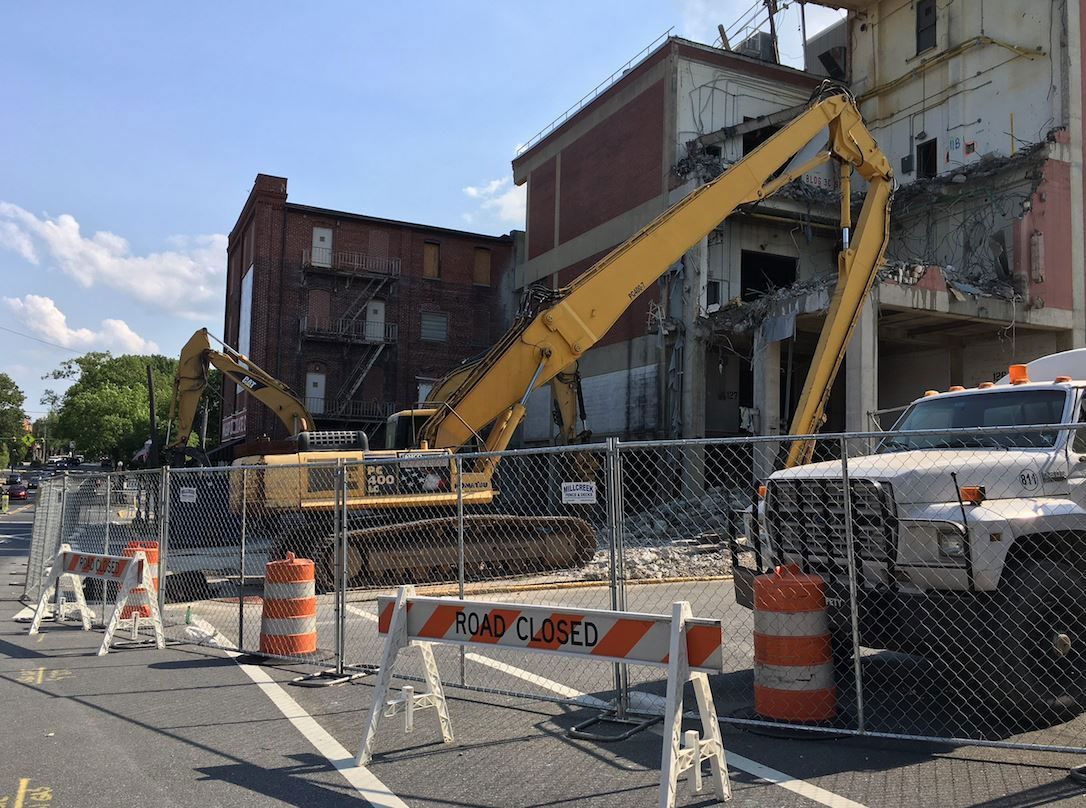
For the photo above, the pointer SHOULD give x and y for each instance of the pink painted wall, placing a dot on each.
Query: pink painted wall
(1050, 214)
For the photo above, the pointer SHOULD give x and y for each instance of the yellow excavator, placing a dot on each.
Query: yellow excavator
(480, 404)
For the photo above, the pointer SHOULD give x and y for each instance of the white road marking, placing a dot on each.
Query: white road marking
(364, 781)
(361, 612)
(793, 784)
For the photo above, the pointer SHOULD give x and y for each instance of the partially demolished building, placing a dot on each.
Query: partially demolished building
(979, 111)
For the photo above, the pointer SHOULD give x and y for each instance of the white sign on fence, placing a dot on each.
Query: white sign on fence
(186, 495)
(576, 493)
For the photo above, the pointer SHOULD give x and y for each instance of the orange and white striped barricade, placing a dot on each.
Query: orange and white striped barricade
(130, 573)
(690, 648)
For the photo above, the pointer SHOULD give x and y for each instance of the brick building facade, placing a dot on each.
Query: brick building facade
(358, 314)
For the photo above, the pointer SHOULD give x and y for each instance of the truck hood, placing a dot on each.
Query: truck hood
(923, 476)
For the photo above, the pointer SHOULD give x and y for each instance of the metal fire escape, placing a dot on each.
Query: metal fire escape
(368, 278)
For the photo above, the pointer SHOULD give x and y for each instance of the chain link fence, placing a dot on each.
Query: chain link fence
(952, 562)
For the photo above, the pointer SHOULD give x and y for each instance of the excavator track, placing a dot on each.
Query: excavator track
(426, 550)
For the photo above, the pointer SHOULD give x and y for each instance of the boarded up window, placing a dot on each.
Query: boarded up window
(320, 309)
(431, 260)
(435, 326)
(482, 267)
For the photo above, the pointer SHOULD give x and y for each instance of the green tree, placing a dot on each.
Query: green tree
(12, 418)
(105, 411)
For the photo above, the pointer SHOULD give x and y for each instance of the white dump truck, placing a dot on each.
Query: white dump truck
(970, 536)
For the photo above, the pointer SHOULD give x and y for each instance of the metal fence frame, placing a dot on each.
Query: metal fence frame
(69, 511)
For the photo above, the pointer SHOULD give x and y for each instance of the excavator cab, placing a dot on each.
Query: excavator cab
(402, 429)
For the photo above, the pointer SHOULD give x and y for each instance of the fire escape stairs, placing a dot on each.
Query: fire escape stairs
(357, 375)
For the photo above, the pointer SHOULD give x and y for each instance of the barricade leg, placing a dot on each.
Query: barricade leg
(80, 599)
(114, 619)
(437, 692)
(397, 639)
(678, 757)
(410, 701)
(48, 588)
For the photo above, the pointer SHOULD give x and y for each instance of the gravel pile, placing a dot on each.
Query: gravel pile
(650, 563)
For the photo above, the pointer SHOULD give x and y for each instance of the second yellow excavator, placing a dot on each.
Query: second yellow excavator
(402, 501)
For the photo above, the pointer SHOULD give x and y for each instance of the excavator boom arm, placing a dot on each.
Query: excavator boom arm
(191, 379)
(537, 348)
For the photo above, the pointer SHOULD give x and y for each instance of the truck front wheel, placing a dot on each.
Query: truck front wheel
(1039, 658)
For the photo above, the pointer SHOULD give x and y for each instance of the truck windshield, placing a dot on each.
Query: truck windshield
(967, 412)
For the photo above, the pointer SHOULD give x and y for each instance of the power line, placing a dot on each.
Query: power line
(38, 339)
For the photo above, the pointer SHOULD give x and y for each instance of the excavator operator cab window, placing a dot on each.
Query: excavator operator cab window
(403, 430)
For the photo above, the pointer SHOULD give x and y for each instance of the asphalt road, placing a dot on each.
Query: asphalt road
(188, 724)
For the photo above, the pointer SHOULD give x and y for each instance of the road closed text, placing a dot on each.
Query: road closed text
(554, 630)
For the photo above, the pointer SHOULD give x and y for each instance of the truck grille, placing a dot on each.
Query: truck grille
(807, 517)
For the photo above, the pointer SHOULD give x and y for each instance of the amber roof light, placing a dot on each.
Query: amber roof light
(1018, 374)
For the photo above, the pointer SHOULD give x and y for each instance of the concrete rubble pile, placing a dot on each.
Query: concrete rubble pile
(676, 539)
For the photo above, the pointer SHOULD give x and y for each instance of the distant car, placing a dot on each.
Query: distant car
(18, 491)
(14, 479)
(34, 480)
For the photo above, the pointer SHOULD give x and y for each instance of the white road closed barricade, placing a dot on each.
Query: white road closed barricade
(129, 573)
(689, 647)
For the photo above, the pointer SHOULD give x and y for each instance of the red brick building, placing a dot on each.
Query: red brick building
(358, 314)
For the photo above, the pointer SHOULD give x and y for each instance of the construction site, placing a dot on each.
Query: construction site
(750, 469)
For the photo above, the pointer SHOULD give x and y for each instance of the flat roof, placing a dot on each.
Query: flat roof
(360, 217)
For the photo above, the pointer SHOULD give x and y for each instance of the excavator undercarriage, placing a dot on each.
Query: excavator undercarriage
(428, 550)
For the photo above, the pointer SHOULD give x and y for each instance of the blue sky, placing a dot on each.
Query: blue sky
(133, 133)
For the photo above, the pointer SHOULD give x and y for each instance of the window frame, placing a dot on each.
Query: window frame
(931, 40)
(422, 333)
(478, 251)
(918, 171)
(436, 276)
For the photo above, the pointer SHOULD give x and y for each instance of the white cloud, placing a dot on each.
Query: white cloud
(502, 201)
(40, 316)
(185, 280)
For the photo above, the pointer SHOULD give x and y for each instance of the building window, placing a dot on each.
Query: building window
(927, 159)
(925, 25)
(431, 260)
(435, 326)
(712, 293)
(481, 276)
(322, 247)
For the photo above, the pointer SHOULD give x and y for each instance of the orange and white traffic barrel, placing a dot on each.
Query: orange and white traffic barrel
(139, 602)
(288, 621)
(793, 663)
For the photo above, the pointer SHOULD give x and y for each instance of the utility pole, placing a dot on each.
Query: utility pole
(771, 5)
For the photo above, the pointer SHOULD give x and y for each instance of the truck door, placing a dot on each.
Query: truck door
(1076, 456)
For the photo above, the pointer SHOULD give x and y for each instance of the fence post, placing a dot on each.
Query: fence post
(853, 587)
(108, 512)
(162, 516)
(339, 536)
(63, 535)
(241, 555)
(459, 461)
(613, 479)
(63, 511)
